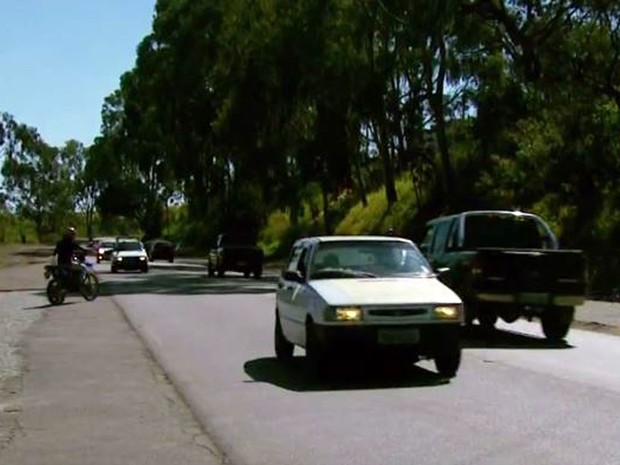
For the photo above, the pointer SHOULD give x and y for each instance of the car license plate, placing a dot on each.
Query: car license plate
(399, 336)
(534, 298)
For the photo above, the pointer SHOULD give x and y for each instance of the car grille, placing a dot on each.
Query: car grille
(131, 261)
(399, 312)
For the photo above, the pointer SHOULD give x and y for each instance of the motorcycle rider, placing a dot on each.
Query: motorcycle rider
(66, 248)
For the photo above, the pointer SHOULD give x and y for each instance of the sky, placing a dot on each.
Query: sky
(60, 58)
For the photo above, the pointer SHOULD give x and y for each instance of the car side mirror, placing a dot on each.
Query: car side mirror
(293, 275)
(442, 272)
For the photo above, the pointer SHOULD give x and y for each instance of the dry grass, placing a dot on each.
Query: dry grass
(20, 255)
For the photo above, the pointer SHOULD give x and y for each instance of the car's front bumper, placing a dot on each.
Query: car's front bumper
(420, 339)
(130, 264)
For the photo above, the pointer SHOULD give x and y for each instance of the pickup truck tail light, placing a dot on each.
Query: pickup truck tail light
(476, 267)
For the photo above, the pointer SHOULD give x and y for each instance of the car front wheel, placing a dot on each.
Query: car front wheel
(447, 356)
(316, 354)
(283, 348)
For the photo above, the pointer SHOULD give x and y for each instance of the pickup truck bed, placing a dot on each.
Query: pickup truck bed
(534, 277)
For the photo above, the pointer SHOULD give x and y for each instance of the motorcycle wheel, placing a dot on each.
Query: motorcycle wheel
(89, 287)
(55, 293)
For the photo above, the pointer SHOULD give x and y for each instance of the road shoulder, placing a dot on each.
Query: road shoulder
(92, 394)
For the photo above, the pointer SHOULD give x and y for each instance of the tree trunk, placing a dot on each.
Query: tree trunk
(360, 180)
(381, 137)
(436, 97)
(326, 212)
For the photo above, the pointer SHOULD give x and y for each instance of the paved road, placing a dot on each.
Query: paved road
(517, 398)
(90, 394)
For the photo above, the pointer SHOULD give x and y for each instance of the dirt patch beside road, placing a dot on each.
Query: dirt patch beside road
(20, 255)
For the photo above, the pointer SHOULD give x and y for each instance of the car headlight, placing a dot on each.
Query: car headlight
(448, 312)
(101, 251)
(345, 314)
(142, 258)
(119, 259)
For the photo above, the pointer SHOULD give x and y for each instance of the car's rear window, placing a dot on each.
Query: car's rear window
(504, 231)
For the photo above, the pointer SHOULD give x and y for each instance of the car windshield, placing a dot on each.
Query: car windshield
(129, 246)
(371, 259)
(505, 231)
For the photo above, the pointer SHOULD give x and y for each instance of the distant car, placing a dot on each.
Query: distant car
(160, 249)
(235, 252)
(129, 255)
(104, 247)
(355, 294)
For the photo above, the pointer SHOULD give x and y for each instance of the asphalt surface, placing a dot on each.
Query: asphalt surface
(91, 393)
(516, 399)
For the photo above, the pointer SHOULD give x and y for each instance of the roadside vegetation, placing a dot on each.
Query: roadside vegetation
(283, 118)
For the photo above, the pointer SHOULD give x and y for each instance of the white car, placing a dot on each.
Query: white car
(366, 293)
(129, 255)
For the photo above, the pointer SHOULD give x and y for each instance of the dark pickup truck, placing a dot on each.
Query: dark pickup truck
(507, 264)
(235, 253)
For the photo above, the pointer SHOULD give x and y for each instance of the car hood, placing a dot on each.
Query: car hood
(131, 253)
(384, 291)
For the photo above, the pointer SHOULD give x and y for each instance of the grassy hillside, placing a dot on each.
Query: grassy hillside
(376, 218)
(278, 234)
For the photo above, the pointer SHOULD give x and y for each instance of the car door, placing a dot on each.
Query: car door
(286, 289)
(437, 246)
(301, 299)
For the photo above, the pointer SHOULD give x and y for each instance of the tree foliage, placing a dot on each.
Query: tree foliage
(244, 107)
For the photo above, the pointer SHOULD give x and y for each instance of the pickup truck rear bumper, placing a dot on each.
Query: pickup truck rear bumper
(532, 298)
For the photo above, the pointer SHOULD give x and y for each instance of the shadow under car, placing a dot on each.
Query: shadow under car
(343, 375)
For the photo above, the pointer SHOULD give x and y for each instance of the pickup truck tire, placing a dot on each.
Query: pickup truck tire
(258, 273)
(447, 357)
(487, 319)
(556, 322)
(283, 348)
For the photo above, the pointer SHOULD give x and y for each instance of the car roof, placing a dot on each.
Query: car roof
(344, 238)
(481, 212)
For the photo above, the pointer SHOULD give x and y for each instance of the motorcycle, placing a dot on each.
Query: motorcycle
(80, 278)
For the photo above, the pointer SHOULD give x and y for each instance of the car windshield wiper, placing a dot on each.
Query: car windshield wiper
(327, 273)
